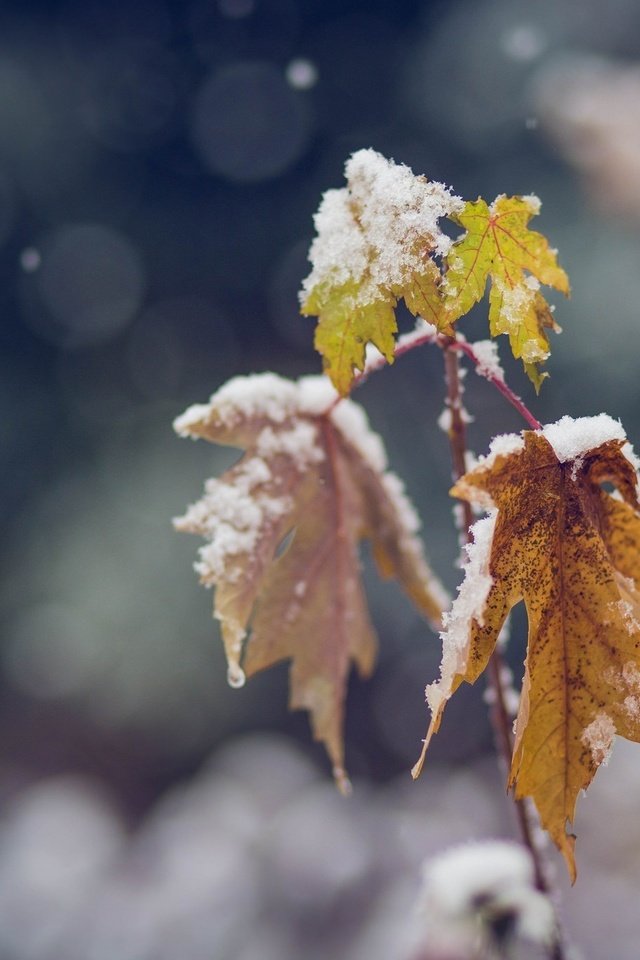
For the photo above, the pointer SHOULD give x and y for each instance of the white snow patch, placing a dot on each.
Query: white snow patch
(533, 202)
(632, 707)
(374, 230)
(299, 443)
(599, 737)
(468, 606)
(488, 365)
(192, 415)
(422, 329)
(231, 517)
(631, 675)
(353, 424)
(573, 439)
(627, 612)
(469, 885)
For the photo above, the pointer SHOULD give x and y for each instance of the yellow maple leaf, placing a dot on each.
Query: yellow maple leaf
(375, 242)
(283, 528)
(345, 327)
(499, 246)
(571, 551)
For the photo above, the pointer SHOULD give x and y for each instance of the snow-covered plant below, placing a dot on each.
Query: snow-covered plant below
(284, 525)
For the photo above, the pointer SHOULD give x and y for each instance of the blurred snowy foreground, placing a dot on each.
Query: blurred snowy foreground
(259, 858)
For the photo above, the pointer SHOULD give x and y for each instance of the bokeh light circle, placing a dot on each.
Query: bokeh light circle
(248, 124)
(91, 281)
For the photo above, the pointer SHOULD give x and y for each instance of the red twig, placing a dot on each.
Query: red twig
(413, 340)
(501, 718)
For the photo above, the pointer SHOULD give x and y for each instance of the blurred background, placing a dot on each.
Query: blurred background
(160, 163)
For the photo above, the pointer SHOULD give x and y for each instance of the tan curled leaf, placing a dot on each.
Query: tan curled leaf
(571, 551)
(283, 528)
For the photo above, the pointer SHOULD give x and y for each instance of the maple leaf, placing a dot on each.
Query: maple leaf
(284, 525)
(375, 242)
(571, 551)
(499, 246)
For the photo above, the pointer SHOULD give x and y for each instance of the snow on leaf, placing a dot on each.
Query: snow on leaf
(571, 551)
(374, 244)
(499, 246)
(283, 527)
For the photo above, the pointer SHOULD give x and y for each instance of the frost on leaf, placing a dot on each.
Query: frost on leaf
(283, 528)
(499, 246)
(571, 551)
(375, 241)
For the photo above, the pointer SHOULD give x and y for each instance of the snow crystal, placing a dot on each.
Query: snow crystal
(373, 231)
(631, 675)
(533, 202)
(572, 439)
(467, 606)
(316, 394)
(192, 415)
(232, 520)
(599, 737)
(515, 301)
(374, 359)
(444, 420)
(479, 882)
(258, 395)
(627, 612)
(632, 706)
(299, 443)
(502, 445)
(353, 424)
(488, 365)
(422, 329)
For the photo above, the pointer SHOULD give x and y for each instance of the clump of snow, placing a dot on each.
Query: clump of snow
(423, 330)
(533, 202)
(632, 707)
(468, 606)
(485, 891)
(599, 737)
(315, 395)
(488, 360)
(573, 439)
(300, 443)
(233, 513)
(502, 445)
(353, 424)
(515, 302)
(628, 614)
(445, 419)
(231, 517)
(374, 231)
(631, 674)
(241, 398)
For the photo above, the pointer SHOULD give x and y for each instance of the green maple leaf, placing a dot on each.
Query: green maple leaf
(498, 246)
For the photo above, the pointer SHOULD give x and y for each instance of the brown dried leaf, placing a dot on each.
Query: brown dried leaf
(571, 551)
(313, 475)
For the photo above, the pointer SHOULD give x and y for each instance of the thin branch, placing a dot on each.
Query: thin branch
(501, 718)
(429, 334)
(498, 382)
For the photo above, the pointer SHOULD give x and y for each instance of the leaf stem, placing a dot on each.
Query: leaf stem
(501, 718)
(419, 337)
